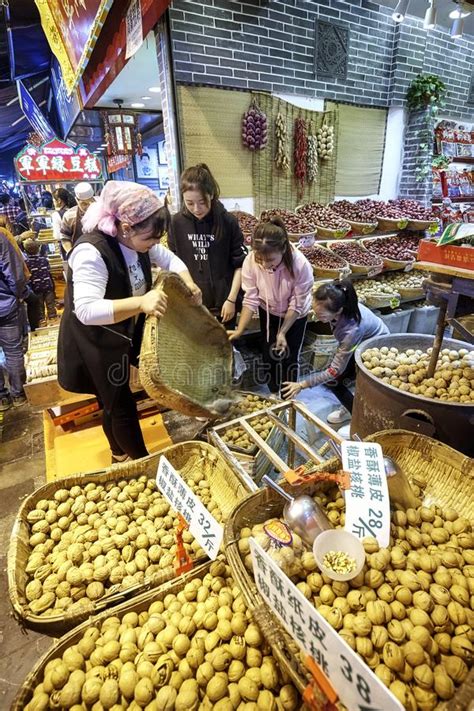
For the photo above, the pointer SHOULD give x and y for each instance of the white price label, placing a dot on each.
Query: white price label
(204, 527)
(357, 686)
(368, 500)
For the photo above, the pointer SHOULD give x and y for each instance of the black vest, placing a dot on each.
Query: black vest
(97, 359)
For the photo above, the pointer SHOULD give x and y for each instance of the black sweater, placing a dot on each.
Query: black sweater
(212, 249)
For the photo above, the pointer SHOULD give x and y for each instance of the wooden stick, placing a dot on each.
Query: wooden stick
(438, 341)
(277, 462)
(300, 444)
(320, 424)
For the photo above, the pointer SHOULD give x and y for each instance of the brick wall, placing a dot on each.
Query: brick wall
(268, 45)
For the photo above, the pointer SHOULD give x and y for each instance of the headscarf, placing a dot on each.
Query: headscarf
(123, 201)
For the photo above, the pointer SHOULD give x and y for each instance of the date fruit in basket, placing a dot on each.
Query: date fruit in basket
(413, 209)
(86, 539)
(408, 613)
(246, 221)
(379, 208)
(453, 380)
(400, 247)
(322, 258)
(193, 648)
(295, 224)
(321, 215)
(355, 254)
(352, 211)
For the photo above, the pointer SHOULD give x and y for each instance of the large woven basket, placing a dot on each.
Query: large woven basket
(450, 484)
(138, 605)
(227, 490)
(186, 356)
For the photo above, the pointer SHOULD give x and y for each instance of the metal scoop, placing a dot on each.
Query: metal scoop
(398, 485)
(302, 514)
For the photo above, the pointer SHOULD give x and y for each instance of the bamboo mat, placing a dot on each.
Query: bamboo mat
(86, 449)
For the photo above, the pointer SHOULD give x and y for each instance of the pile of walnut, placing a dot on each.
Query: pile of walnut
(236, 436)
(194, 649)
(453, 380)
(409, 613)
(87, 539)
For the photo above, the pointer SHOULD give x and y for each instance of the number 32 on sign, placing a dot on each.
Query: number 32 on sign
(358, 687)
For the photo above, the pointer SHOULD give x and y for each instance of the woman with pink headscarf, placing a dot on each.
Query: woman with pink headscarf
(108, 295)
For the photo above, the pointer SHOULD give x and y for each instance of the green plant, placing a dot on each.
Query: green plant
(441, 162)
(426, 90)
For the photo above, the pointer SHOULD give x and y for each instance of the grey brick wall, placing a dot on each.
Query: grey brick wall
(410, 186)
(268, 45)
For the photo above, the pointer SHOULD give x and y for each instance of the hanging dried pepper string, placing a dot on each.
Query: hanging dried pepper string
(300, 154)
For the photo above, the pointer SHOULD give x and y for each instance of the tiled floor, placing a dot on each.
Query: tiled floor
(22, 470)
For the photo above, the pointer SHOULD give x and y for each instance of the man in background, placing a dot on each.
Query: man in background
(13, 291)
(8, 209)
(71, 225)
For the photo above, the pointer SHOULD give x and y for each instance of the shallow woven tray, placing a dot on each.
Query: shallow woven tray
(258, 613)
(416, 225)
(388, 224)
(227, 491)
(379, 302)
(295, 237)
(363, 228)
(358, 268)
(388, 263)
(409, 293)
(450, 484)
(186, 356)
(328, 233)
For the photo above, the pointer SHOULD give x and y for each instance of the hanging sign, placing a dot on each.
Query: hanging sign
(134, 28)
(358, 687)
(367, 500)
(72, 28)
(33, 113)
(204, 527)
(57, 161)
(115, 163)
(68, 105)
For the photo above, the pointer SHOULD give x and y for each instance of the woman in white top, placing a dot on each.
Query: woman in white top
(108, 294)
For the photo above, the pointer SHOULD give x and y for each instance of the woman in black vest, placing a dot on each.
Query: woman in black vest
(108, 294)
(210, 242)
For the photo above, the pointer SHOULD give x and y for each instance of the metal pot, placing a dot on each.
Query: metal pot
(379, 406)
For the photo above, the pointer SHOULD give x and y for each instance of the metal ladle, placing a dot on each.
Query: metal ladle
(398, 485)
(302, 514)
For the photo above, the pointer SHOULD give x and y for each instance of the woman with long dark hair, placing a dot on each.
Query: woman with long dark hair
(277, 280)
(336, 303)
(209, 241)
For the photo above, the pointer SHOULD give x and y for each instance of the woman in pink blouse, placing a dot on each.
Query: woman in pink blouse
(277, 280)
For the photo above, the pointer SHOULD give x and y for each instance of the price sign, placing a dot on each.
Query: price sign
(204, 527)
(394, 303)
(357, 685)
(374, 271)
(367, 500)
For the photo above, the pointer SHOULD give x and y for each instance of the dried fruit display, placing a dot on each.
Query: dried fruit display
(413, 209)
(370, 289)
(322, 215)
(452, 381)
(325, 141)
(85, 540)
(382, 209)
(300, 153)
(411, 280)
(254, 128)
(355, 254)
(246, 221)
(282, 160)
(408, 613)
(197, 648)
(321, 258)
(312, 156)
(352, 211)
(295, 224)
(400, 247)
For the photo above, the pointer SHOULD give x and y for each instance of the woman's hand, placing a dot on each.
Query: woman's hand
(291, 390)
(281, 345)
(234, 335)
(196, 294)
(154, 302)
(227, 311)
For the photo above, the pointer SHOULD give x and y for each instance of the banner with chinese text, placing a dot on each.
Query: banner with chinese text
(72, 28)
(57, 161)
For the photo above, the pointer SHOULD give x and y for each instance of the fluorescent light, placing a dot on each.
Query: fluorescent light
(154, 89)
(137, 105)
(430, 17)
(146, 98)
(457, 28)
(400, 11)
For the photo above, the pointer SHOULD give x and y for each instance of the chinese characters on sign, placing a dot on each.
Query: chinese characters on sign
(367, 501)
(57, 161)
(134, 28)
(204, 527)
(357, 685)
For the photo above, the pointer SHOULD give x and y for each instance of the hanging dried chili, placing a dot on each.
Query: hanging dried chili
(300, 154)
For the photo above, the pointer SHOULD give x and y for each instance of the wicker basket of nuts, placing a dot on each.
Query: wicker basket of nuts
(326, 264)
(328, 223)
(360, 260)
(297, 226)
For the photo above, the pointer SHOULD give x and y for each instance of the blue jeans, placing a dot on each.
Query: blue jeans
(11, 337)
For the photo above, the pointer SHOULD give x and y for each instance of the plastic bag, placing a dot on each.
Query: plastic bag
(239, 365)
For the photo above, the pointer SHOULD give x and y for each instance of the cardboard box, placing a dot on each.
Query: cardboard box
(450, 255)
